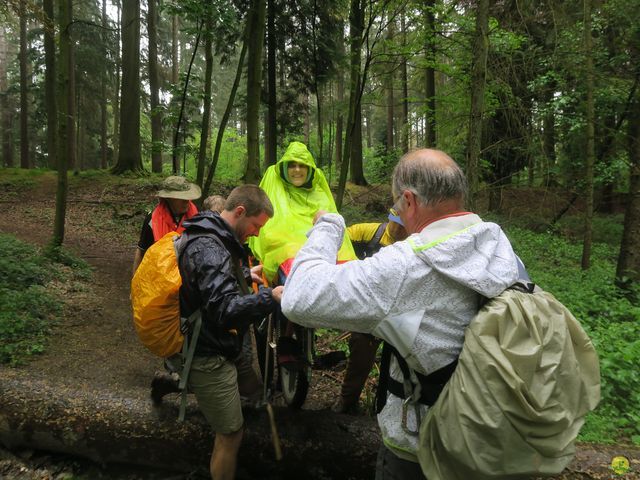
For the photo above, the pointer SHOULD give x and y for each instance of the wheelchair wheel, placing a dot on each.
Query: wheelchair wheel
(295, 381)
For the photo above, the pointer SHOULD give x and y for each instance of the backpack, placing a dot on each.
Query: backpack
(514, 404)
(368, 249)
(155, 299)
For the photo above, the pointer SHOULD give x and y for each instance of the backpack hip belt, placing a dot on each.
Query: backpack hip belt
(415, 389)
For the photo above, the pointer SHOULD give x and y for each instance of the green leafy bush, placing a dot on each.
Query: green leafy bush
(378, 164)
(27, 308)
(608, 316)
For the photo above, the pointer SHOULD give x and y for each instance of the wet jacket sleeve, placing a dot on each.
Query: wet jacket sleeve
(355, 295)
(209, 271)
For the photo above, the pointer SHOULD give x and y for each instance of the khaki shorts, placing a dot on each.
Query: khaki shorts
(214, 381)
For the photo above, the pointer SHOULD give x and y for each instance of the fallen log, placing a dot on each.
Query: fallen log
(110, 428)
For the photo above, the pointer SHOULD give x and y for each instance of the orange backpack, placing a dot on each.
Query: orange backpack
(155, 298)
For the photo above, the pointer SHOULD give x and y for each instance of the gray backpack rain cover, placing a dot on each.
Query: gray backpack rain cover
(526, 377)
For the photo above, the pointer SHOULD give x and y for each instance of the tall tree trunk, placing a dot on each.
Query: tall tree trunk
(206, 110)
(628, 270)
(590, 133)
(130, 158)
(356, 21)
(227, 112)
(355, 138)
(24, 89)
(330, 128)
(80, 136)
(549, 138)
(531, 168)
(320, 126)
(317, 88)
(115, 138)
(430, 81)
(307, 119)
(254, 79)
(478, 78)
(50, 83)
(406, 128)
(66, 119)
(340, 102)
(357, 173)
(271, 140)
(368, 119)
(176, 136)
(154, 87)
(389, 89)
(103, 92)
(5, 110)
(175, 60)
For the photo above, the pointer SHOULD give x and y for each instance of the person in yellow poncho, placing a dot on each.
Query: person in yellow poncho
(297, 189)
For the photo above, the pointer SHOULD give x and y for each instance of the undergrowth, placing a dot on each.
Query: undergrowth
(28, 308)
(610, 318)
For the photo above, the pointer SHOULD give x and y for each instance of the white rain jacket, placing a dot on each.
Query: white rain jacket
(418, 294)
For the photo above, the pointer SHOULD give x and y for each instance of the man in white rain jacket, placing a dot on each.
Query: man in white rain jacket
(419, 294)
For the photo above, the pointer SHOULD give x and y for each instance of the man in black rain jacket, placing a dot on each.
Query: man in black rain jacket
(213, 269)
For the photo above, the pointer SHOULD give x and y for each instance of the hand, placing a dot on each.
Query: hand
(319, 213)
(256, 274)
(276, 293)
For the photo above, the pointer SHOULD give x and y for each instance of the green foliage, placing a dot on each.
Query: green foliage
(27, 307)
(62, 256)
(379, 165)
(232, 162)
(233, 155)
(605, 229)
(609, 317)
(19, 178)
(24, 322)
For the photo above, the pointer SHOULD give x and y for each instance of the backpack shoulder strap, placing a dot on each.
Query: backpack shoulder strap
(430, 385)
(375, 240)
(373, 245)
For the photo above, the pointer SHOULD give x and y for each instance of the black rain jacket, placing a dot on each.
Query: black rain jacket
(209, 282)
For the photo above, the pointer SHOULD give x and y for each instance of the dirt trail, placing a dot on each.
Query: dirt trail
(95, 343)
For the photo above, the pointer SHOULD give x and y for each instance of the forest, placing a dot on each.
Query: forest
(534, 99)
(521, 93)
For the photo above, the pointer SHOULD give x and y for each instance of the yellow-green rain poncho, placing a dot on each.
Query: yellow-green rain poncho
(294, 209)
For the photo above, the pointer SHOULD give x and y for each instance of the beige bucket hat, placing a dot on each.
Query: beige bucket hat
(178, 187)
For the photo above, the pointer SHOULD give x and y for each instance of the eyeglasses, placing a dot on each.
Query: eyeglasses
(396, 206)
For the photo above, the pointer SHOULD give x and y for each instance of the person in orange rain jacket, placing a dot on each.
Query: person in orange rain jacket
(175, 206)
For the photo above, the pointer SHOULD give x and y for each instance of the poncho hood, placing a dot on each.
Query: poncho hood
(297, 152)
(294, 210)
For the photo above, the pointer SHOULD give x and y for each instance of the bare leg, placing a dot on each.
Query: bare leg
(225, 455)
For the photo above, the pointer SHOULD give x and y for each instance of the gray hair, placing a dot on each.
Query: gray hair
(431, 175)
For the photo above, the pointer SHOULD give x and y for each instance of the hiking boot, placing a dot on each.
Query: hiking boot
(162, 384)
(343, 406)
(327, 361)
